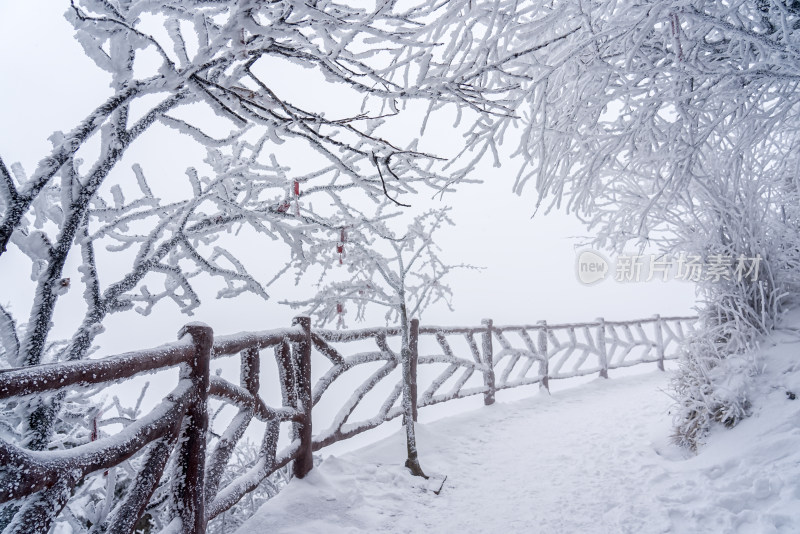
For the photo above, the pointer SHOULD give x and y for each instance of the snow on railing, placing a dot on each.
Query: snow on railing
(451, 363)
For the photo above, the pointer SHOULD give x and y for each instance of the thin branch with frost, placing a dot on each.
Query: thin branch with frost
(409, 273)
(9, 341)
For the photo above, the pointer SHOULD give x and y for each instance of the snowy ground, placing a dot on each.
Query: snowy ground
(593, 459)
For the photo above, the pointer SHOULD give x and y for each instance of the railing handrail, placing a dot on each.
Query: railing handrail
(559, 326)
(293, 346)
(46, 377)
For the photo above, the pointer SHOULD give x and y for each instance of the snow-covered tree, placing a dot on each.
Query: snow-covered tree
(196, 57)
(401, 272)
(366, 262)
(183, 64)
(207, 70)
(672, 122)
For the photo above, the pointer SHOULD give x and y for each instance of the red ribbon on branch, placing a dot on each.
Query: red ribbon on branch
(296, 196)
(340, 245)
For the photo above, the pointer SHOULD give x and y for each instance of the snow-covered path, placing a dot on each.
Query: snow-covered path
(593, 459)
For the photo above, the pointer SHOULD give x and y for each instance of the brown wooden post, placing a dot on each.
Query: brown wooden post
(250, 374)
(659, 342)
(413, 349)
(544, 362)
(488, 360)
(601, 347)
(189, 490)
(302, 366)
(283, 357)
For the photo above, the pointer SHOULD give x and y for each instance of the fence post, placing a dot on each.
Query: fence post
(283, 357)
(544, 362)
(413, 356)
(189, 490)
(302, 368)
(601, 347)
(251, 370)
(659, 343)
(488, 360)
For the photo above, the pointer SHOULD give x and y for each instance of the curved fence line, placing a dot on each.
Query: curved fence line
(179, 449)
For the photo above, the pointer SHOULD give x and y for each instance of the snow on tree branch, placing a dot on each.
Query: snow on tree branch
(402, 272)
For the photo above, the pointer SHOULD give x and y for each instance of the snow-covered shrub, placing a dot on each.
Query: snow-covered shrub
(745, 211)
(710, 385)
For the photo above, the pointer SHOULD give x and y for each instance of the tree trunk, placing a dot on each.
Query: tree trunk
(412, 462)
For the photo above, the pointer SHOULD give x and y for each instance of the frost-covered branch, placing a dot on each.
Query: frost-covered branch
(368, 263)
(9, 341)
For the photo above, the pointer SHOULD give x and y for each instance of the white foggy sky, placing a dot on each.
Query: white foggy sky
(48, 84)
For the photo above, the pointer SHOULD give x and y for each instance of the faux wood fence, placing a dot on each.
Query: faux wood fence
(452, 363)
